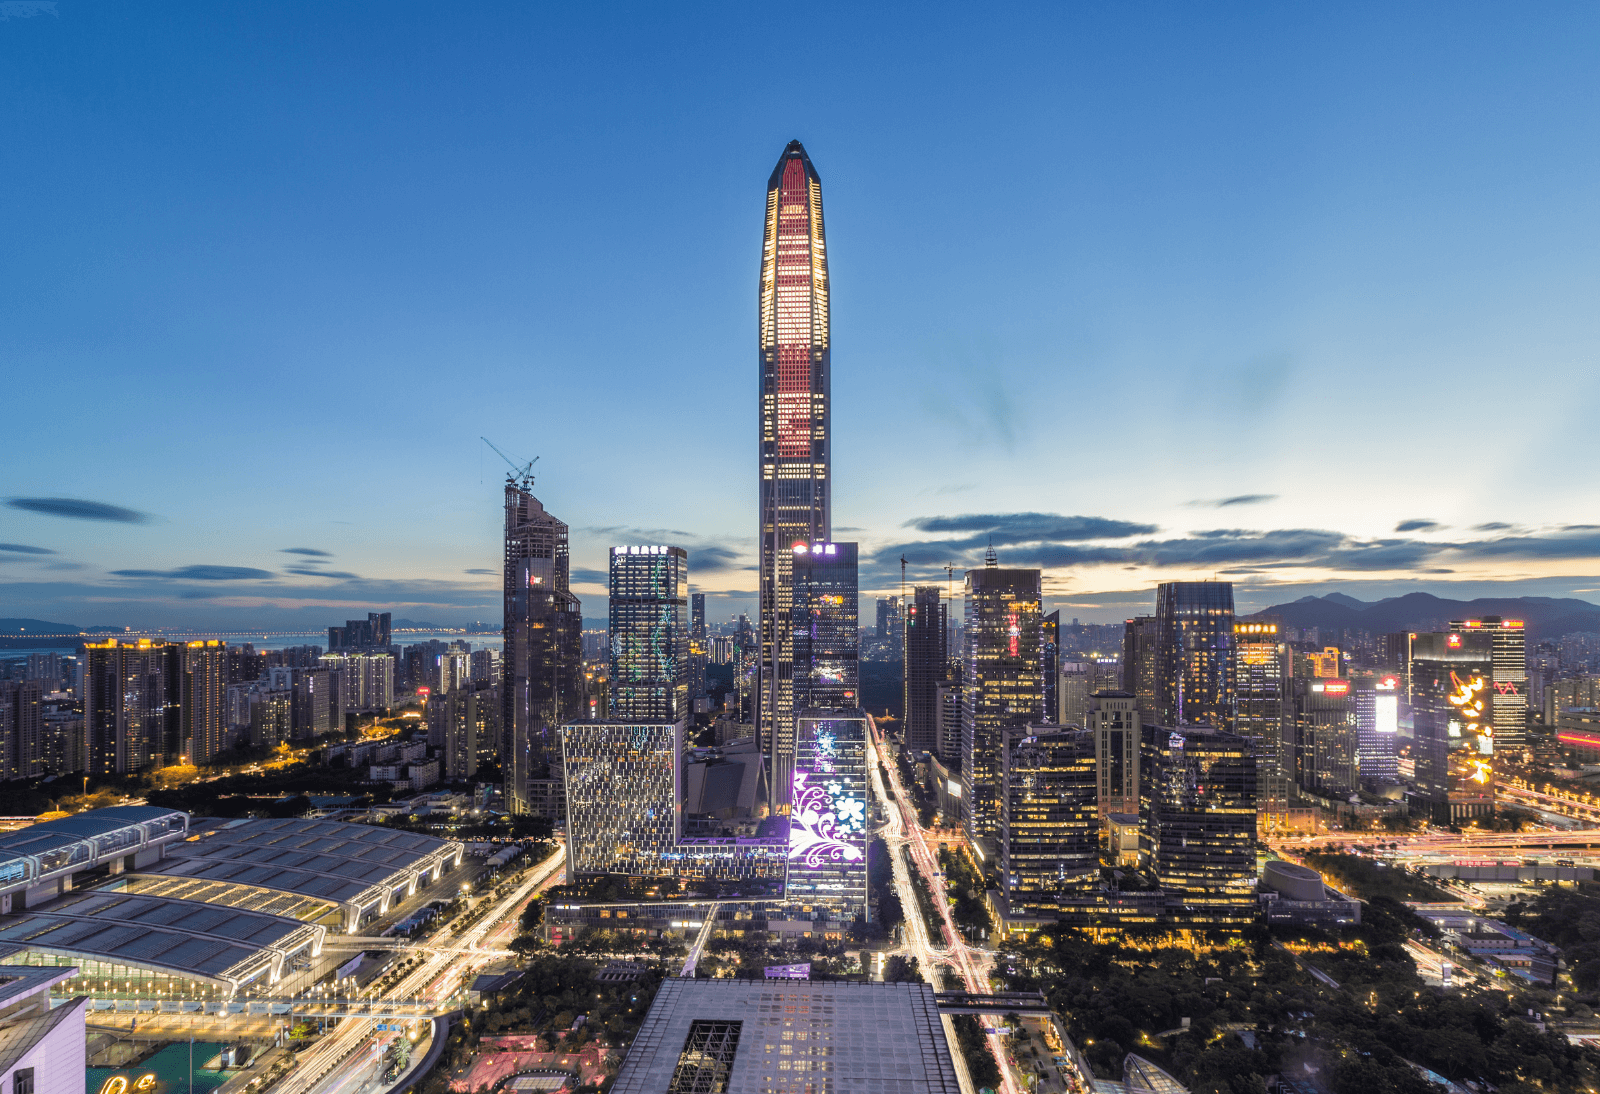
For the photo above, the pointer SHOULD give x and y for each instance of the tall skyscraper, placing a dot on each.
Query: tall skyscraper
(1001, 685)
(1452, 679)
(622, 796)
(1325, 734)
(1140, 652)
(1509, 640)
(795, 444)
(1049, 664)
(1203, 821)
(1194, 663)
(542, 664)
(1265, 708)
(1114, 722)
(827, 627)
(203, 694)
(130, 705)
(1377, 727)
(649, 634)
(699, 649)
(828, 824)
(926, 664)
(1050, 828)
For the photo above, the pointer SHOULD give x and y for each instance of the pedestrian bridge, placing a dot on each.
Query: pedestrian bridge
(393, 1009)
(1030, 1003)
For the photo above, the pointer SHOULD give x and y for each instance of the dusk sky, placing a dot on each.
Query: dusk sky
(1304, 296)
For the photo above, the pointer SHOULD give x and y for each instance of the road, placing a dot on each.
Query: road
(346, 1053)
(971, 964)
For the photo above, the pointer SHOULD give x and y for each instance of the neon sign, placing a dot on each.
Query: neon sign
(824, 819)
(118, 1084)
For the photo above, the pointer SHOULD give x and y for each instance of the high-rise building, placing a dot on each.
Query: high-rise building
(1049, 817)
(1194, 636)
(1265, 708)
(649, 634)
(888, 634)
(203, 687)
(1510, 700)
(1001, 685)
(24, 746)
(130, 705)
(621, 782)
(828, 821)
(1075, 683)
(1049, 660)
(1114, 722)
(1203, 821)
(371, 633)
(1452, 679)
(1326, 737)
(542, 684)
(1377, 727)
(827, 627)
(795, 439)
(925, 667)
(699, 652)
(366, 682)
(1140, 655)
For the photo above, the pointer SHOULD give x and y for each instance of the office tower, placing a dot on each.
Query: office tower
(888, 640)
(1326, 737)
(542, 685)
(1265, 708)
(947, 696)
(1049, 659)
(827, 627)
(1377, 727)
(1510, 680)
(130, 705)
(925, 666)
(828, 819)
(649, 634)
(1194, 636)
(1001, 687)
(795, 441)
(1203, 821)
(202, 694)
(1452, 676)
(1115, 724)
(1140, 653)
(621, 782)
(1049, 821)
(1075, 683)
(699, 652)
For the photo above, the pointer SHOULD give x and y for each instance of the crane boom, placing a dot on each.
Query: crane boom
(521, 474)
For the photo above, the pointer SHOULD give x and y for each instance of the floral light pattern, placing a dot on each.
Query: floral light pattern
(822, 822)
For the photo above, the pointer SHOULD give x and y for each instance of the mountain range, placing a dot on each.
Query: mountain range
(1546, 617)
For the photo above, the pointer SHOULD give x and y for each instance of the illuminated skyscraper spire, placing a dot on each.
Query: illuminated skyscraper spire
(794, 441)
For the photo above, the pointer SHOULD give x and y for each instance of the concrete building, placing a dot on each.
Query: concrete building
(1115, 723)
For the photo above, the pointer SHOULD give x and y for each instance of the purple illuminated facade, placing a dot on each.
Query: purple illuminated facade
(828, 818)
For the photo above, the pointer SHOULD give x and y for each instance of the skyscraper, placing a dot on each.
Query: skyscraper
(925, 666)
(1377, 726)
(699, 649)
(1452, 679)
(1265, 708)
(1203, 821)
(827, 627)
(1001, 685)
(130, 705)
(622, 796)
(828, 824)
(1510, 644)
(203, 692)
(1049, 664)
(542, 663)
(1113, 720)
(1049, 845)
(794, 441)
(1194, 657)
(1139, 655)
(649, 633)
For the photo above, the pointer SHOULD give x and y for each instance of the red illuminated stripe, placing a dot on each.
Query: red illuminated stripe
(1574, 737)
(794, 312)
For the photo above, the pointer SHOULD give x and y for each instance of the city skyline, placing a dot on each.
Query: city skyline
(1277, 255)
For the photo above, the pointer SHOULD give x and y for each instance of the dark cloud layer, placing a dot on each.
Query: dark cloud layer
(201, 573)
(311, 551)
(709, 560)
(339, 574)
(1246, 499)
(1418, 524)
(24, 549)
(1007, 528)
(480, 571)
(78, 509)
(590, 577)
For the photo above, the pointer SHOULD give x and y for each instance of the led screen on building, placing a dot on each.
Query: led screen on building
(828, 820)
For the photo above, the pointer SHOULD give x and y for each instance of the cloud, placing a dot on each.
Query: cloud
(1010, 528)
(1491, 526)
(78, 509)
(311, 551)
(1237, 499)
(626, 535)
(480, 571)
(710, 560)
(24, 549)
(1417, 524)
(590, 577)
(201, 573)
(322, 573)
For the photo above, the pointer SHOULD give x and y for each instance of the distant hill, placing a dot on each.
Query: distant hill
(1546, 617)
(42, 626)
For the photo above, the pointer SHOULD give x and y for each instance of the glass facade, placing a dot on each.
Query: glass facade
(1377, 727)
(649, 633)
(827, 633)
(622, 796)
(1003, 685)
(1203, 821)
(1264, 709)
(1451, 683)
(542, 684)
(1050, 844)
(926, 643)
(794, 439)
(131, 693)
(1509, 642)
(1194, 665)
(828, 823)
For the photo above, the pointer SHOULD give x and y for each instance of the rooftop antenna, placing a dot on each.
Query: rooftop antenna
(520, 474)
(902, 584)
(990, 559)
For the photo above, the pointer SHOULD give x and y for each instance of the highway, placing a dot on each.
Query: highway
(971, 964)
(350, 1051)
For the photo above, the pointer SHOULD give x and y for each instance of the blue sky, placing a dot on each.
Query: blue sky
(1140, 291)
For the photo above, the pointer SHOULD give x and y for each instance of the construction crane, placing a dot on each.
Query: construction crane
(521, 474)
